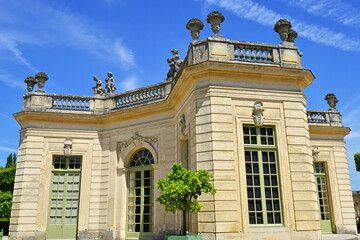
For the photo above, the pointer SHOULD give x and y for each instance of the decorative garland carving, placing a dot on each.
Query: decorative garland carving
(257, 113)
(137, 140)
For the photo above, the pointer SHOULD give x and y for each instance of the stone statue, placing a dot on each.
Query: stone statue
(174, 63)
(98, 89)
(110, 84)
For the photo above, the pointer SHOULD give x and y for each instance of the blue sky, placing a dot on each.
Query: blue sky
(74, 40)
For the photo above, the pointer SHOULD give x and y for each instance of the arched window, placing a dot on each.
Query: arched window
(140, 195)
(141, 158)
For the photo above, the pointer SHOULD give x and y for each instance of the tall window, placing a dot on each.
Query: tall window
(262, 178)
(140, 198)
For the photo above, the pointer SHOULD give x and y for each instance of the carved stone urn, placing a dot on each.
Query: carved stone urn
(195, 25)
(215, 18)
(282, 27)
(291, 36)
(30, 82)
(41, 77)
(332, 101)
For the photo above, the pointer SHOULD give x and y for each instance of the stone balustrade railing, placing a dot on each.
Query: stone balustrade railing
(253, 52)
(326, 118)
(69, 102)
(225, 50)
(143, 95)
(44, 102)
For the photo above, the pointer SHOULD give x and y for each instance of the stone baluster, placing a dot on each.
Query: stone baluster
(252, 54)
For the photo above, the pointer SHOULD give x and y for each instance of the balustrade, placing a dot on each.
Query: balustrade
(143, 95)
(64, 102)
(318, 116)
(253, 52)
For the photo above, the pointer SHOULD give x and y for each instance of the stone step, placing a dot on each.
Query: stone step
(339, 237)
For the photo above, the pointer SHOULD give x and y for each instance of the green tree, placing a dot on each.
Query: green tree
(5, 204)
(357, 161)
(181, 190)
(11, 160)
(7, 178)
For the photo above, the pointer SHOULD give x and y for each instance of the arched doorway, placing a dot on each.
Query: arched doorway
(140, 196)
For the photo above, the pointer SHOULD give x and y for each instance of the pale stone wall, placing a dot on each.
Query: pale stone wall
(333, 152)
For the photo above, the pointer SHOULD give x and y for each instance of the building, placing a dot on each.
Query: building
(87, 166)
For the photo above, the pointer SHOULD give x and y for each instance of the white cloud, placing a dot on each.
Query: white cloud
(6, 149)
(253, 11)
(12, 46)
(9, 80)
(129, 84)
(124, 54)
(336, 10)
(57, 26)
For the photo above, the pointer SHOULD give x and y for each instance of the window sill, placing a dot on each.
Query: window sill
(267, 228)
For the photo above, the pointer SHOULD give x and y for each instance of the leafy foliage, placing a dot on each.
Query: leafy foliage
(11, 160)
(182, 189)
(5, 204)
(357, 161)
(7, 177)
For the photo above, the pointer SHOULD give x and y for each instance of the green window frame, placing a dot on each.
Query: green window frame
(140, 210)
(262, 176)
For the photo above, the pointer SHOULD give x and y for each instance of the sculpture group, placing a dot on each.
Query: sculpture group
(110, 85)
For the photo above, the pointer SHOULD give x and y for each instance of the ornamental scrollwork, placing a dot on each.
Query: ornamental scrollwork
(137, 140)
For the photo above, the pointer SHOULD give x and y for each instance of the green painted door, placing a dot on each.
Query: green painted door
(323, 196)
(64, 198)
(140, 197)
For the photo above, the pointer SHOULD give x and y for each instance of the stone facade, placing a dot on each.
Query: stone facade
(196, 117)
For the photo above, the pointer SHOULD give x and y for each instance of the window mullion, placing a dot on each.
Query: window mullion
(262, 187)
(142, 201)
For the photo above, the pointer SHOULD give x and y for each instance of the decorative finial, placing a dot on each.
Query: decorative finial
(257, 113)
(195, 25)
(283, 28)
(215, 18)
(30, 82)
(98, 89)
(332, 101)
(41, 77)
(110, 84)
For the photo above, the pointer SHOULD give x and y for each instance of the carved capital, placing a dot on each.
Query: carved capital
(67, 147)
(315, 153)
(257, 113)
